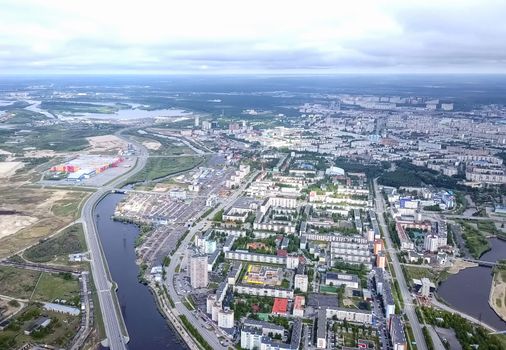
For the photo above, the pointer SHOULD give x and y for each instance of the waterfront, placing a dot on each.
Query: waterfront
(147, 328)
(133, 114)
(468, 291)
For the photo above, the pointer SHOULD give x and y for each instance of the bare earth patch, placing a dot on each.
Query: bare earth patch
(10, 224)
(460, 264)
(106, 143)
(43, 153)
(8, 169)
(37, 213)
(152, 145)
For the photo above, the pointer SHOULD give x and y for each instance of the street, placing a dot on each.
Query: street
(409, 307)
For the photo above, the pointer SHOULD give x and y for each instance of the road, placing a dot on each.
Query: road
(409, 308)
(209, 335)
(113, 320)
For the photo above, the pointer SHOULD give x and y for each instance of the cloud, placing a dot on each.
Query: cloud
(39, 36)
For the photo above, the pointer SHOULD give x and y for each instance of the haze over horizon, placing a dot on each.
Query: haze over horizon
(231, 37)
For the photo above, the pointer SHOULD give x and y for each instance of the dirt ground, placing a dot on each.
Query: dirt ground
(42, 153)
(11, 224)
(8, 169)
(460, 264)
(152, 145)
(33, 213)
(106, 144)
(9, 310)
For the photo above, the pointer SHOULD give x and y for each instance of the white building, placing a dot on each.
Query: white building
(226, 318)
(301, 283)
(431, 243)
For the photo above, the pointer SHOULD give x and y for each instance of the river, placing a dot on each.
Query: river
(147, 328)
(468, 290)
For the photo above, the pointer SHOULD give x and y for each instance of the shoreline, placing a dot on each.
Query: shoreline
(459, 265)
(498, 292)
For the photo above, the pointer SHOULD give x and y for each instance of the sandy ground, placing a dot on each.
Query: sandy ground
(106, 143)
(460, 264)
(10, 224)
(497, 298)
(43, 153)
(8, 169)
(152, 145)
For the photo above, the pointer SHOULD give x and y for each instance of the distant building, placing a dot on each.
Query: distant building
(198, 271)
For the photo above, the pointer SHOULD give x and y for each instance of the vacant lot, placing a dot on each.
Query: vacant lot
(17, 283)
(8, 169)
(41, 212)
(106, 144)
(56, 286)
(69, 241)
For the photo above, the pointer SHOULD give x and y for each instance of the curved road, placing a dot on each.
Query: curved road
(112, 318)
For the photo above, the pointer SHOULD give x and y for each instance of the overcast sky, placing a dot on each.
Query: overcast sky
(238, 36)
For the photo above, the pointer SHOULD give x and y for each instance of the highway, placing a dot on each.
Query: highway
(209, 335)
(112, 319)
(409, 308)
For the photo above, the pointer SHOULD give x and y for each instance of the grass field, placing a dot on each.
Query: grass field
(69, 241)
(412, 272)
(69, 206)
(56, 286)
(17, 283)
(160, 167)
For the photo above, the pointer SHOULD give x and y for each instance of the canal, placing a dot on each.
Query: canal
(147, 328)
(468, 290)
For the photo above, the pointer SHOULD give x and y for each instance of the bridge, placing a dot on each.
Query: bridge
(481, 262)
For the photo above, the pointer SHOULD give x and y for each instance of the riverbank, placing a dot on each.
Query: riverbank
(497, 298)
(459, 265)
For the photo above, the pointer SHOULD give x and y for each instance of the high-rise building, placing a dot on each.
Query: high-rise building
(198, 271)
(301, 283)
(206, 125)
(431, 243)
(197, 121)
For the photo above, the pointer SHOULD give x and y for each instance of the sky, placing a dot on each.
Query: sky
(252, 37)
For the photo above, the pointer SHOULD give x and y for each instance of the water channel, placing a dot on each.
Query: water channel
(147, 328)
(468, 290)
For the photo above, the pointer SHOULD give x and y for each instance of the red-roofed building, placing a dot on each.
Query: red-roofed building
(280, 306)
(281, 252)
